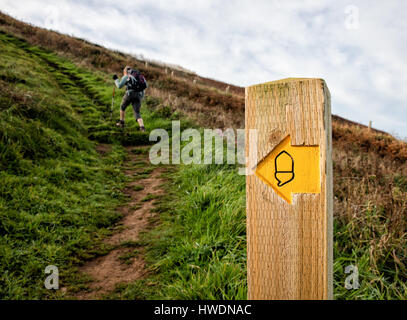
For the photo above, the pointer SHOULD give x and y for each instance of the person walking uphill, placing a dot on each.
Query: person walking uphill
(135, 86)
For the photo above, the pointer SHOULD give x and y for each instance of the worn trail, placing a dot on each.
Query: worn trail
(124, 263)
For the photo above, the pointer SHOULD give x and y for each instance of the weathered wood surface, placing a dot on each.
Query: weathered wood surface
(289, 246)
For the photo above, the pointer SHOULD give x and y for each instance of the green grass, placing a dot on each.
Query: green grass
(127, 257)
(199, 249)
(138, 176)
(148, 197)
(138, 188)
(146, 171)
(57, 195)
(379, 278)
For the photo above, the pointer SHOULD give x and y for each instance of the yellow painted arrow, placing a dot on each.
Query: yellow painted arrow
(291, 169)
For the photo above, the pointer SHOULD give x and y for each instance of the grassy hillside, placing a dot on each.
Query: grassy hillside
(57, 195)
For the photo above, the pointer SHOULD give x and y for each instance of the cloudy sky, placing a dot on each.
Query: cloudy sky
(358, 47)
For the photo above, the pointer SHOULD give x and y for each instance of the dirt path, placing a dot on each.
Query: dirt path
(125, 263)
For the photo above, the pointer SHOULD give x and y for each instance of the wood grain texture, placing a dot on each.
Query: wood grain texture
(289, 246)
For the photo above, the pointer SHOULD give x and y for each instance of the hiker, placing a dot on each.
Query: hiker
(135, 84)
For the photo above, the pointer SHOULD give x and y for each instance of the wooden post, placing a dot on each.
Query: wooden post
(370, 125)
(289, 198)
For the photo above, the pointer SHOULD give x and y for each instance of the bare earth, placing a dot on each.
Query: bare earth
(109, 270)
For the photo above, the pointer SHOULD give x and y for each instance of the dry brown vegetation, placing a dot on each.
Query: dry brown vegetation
(361, 139)
(370, 209)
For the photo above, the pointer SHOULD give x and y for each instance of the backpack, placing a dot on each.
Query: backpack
(136, 81)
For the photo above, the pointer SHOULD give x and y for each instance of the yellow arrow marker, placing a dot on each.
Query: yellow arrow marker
(291, 169)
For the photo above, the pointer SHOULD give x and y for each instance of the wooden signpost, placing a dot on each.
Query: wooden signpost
(289, 196)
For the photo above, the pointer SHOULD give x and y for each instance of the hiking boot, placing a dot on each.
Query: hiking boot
(120, 123)
(142, 129)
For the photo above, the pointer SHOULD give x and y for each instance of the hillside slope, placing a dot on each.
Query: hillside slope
(58, 196)
(53, 184)
(54, 100)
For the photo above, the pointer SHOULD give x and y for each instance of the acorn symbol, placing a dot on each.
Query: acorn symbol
(284, 168)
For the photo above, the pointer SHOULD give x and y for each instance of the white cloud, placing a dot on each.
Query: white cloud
(247, 42)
